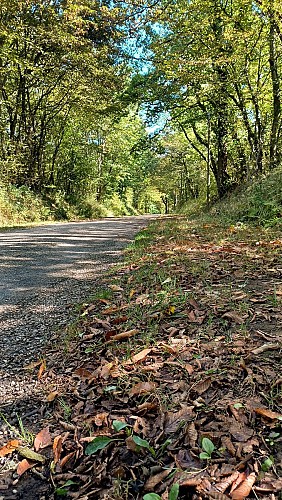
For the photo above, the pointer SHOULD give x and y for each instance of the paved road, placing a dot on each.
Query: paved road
(42, 271)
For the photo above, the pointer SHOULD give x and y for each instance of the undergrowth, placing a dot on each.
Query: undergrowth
(258, 203)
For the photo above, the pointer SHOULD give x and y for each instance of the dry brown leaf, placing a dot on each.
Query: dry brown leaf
(244, 489)
(101, 418)
(41, 369)
(130, 444)
(192, 435)
(67, 458)
(24, 465)
(272, 415)
(156, 479)
(113, 309)
(33, 365)
(42, 439)
(189, 368)
(52, 396)
(83, 373)
(234, 317)
(203, 386)
(11, 446)
(223, 485)
(57, 448)
(266, 347)
(123, 335)
(217, 495)
(174, 420)
(142, 388)
(147, 406)
(137, 358)
(116, 288)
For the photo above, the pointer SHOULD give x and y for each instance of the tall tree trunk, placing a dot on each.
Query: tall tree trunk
(274, 134)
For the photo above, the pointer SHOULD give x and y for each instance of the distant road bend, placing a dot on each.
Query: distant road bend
(43, 270)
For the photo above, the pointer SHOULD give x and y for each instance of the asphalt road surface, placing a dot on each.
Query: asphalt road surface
(42, 271)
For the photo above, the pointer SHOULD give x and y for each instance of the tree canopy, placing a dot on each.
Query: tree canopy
(83, 82)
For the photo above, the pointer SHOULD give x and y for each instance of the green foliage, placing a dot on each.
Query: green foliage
(259, 203)
(98, 443)
(118, 425)
(143, 443)
(151, 496)
(208, 448)
(173, 494)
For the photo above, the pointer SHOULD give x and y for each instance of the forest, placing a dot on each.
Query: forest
(133, 107)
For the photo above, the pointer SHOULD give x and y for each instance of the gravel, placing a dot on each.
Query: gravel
(44, 270)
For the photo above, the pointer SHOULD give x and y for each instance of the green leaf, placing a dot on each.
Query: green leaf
(69, 483)
(205, 456)
(89, 349)
(208, 446)
(61, 492)
(237, 406)
(143, 443)
(267, 464)
(174, 492)
(118, 425)
(98, 443)
(151, 496)
(110, 388)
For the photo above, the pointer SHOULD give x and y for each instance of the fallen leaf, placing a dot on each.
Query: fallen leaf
(223, 485)
(9, 447)
(142, 388)
(241, 477)
(24, 465)
(66, 459)
(42, 439)
(33, 365)
(272, 415)
(41, 369)
(52, 396)
(57, 448)
(138, 357)
(83, 373)
(123, 335)
(30, 454)
(116, 288)
(174, 420)
(203, 386)
(101, 418)
(234, 316)
(244, 489)
(266, 347)
(156, 479)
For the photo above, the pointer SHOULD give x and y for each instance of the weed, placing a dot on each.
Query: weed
(66, 408)
(21, 432)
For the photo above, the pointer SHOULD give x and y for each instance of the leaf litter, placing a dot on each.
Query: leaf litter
(173, 380)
